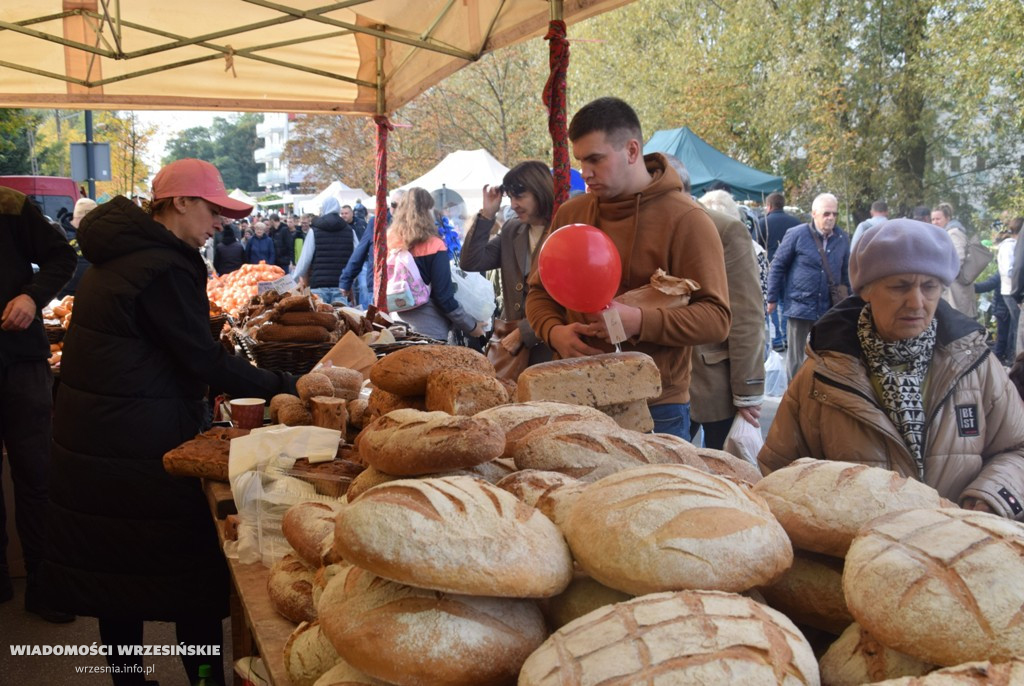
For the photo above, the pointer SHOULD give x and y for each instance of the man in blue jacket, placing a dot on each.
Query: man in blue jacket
(799, 277)
(770, 230)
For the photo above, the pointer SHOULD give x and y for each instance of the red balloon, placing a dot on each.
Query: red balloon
(580, 267)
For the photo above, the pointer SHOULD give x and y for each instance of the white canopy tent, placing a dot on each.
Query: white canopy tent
(344, 194)
(465, 172)
(239, 194)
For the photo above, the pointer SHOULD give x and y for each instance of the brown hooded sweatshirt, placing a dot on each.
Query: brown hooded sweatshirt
(659, 227)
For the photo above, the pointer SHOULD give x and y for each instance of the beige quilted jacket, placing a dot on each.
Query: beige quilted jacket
(974, 431)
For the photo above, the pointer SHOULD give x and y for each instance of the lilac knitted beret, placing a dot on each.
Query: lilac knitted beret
(903, 246)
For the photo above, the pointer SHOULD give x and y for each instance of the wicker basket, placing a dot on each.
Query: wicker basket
(54, 334)
(217, 325)
(297, 358)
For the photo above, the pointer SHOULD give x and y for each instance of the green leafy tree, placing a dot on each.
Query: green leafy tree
(15, 149)
(228, 144)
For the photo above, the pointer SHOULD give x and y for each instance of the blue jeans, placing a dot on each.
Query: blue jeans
(779, 322)
(672, 418)
(330, 295)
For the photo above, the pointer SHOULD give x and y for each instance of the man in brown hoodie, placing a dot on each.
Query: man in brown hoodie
(638, 201)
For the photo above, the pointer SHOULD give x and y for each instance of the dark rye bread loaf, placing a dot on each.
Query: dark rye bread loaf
(939, 584)
(471, 537)
(405, 371)
(205, 456)
(686, 637)
(411, 442)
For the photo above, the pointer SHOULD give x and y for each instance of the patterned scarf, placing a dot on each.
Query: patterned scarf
(901, 390)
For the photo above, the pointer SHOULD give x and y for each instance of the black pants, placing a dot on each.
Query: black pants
(714, 432)
(26, 406)
(192, 632)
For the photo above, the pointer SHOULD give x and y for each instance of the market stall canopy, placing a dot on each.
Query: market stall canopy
(708, 165)
(239, 194)
(465, 172)
(336, 189)
(347, 56)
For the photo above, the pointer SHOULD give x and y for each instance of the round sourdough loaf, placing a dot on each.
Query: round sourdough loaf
(727, 464)
(290, 587)
(857, 658)
(380, 402)
(941, 585)
(344, 674)
(414, 637)
(519, 419)
(823, 503)
(457, 534)
(557, 502)
(308, 654)
(583, 595)
(687, 637)
(530, 484)
(1003, 673)
(323, 576)
(811, 592)
(672, 527)
(412, 443)
(405, 371)
(492, 471)
(309, 529)
(588, 451)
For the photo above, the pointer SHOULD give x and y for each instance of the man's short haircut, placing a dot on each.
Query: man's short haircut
(922, 213)
(274, 217)
(611, 116)
(821, 199)
(775, 201)
(684, 174)
(880, 206)
(346, 207)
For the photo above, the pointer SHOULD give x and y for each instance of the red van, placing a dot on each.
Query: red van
(52, 193)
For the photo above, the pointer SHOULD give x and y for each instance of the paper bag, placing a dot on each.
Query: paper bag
(663, 291)
(350, 352)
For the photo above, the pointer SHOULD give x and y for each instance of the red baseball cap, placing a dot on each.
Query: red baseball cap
(192, 178)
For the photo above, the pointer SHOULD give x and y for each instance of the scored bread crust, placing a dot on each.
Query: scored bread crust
(518, 420)
(936, 584)
(344, 674)
(309, 529)
(290, 587)
(308, 654)
(415, 637)
(858, 658)
(726, 464)
(411, 443)
(405, 371)
(1005, 673)
(822, 504)
(811, 592)
(469, 537)
(672, 527)
(686, 637)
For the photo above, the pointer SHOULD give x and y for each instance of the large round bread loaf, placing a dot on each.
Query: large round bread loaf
(672, 527)
(405, 371)
(308, 654)
(309, 529)
(687, 637)
(290, 587)
(583, 595)
(857, 658)
(414, 637)
(530, 484)
(457, 534)
(940, 585)
(1008, 673)
(411, 443)
(726, 464)
(463, 392)
(588, 451)
(492, 471)
(344, 674)
(811, 592)
(519, 419)
(822, 504)
(380, 402)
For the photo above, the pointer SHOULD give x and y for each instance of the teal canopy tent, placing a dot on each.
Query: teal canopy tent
(708, 166)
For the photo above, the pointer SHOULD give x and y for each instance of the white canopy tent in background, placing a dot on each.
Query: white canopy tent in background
(344, 194)
(239, 194)
(465, 172)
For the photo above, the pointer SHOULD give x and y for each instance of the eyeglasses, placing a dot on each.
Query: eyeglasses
(512, 190)
(829, 214)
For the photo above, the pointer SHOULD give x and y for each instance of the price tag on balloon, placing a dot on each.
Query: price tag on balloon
(580, 267)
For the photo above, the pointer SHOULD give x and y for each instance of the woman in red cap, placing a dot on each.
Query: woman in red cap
(131, 543)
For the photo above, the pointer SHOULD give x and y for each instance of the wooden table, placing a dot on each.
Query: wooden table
(256, 628)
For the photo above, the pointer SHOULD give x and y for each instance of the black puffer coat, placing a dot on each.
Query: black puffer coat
(128, 540)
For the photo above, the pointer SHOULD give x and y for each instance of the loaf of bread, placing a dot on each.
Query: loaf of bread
(687, 637)
(405, 371)
(344, 674)
(205, 456)
(727, 464)
(583, 595)
(346, 381)
(635, 416)
(309, 529)
(290, 587)
(937, 585)
(411, 443)
(588, 451)
(530, 484)
(329, 412)
(295, 414)
(672, 527)
(519, 419)
(330, 478)
(810, 592)
(463, 392)
(314, 384)
(823, 503)
(1009, 672)
(308, 654)
(857, 658)
(327, 320)
(294, 303)
(596, 381)
(279, 333)
(381, 402)
(410, 636)
(282, 400)
(556, 503)
(323, 576)
(471, 537)
(356, 412)
(491, 472)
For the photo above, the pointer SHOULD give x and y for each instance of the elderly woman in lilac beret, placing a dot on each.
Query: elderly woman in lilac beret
(896, 378)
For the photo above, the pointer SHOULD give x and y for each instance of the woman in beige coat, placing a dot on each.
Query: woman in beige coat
(896, 378)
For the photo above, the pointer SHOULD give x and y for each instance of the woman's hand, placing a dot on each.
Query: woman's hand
(976, 504)
(567, 340)
(478, 331)
(512, 343)
(492, 202)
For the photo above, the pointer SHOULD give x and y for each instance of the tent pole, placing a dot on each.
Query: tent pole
(555, 100)
(380, 222)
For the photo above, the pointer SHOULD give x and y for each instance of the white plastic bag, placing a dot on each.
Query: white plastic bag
(744, 440)
(474, 293)
(775, 375)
